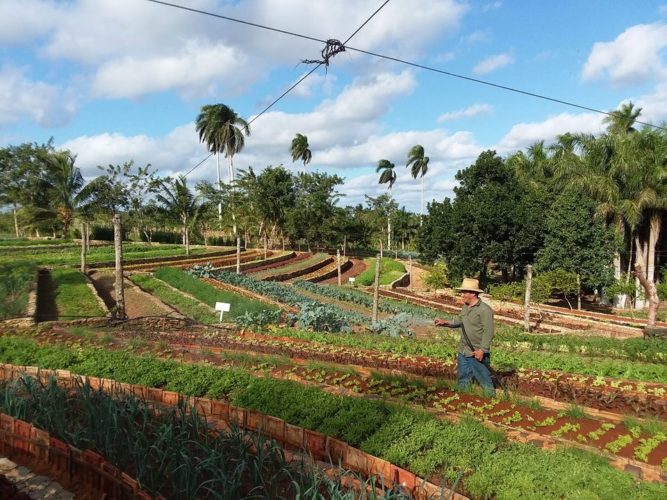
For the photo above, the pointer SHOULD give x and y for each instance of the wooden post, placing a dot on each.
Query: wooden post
(410, 270)
(376, 288)
(578, 292)
(83, 247)
(344, 245)
(119, 312)
(87, 238)
(529, 282)
(338, 260)
(380, 247)
(238, 255)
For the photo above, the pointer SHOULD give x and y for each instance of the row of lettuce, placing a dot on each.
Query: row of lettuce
(484, 463)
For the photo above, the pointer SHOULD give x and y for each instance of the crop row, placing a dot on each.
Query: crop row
(361, 298)
(208, 294)
(282, 293)
(73, 296)
(15, 285)
(286, 272)
(484, 461)
(172, 453)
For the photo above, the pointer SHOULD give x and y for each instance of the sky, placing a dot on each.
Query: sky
(120, 80)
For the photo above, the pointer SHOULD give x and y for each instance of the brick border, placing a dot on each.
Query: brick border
(222, 415)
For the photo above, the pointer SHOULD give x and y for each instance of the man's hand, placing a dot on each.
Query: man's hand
(479, 354)
(441, 322)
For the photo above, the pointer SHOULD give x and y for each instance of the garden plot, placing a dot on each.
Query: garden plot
(65, 294)
(294, 269)
(437, 449)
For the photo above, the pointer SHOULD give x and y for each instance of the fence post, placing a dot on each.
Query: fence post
(410, 270)
(338, 260)
(529, 282)
(119, 312)
(376, 288)
(238, 254)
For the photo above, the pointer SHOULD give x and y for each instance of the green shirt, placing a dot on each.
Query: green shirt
(478, 322)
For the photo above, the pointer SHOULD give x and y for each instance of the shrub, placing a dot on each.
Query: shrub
(437, 277)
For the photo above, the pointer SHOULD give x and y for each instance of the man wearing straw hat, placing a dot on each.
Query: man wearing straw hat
(476, 323)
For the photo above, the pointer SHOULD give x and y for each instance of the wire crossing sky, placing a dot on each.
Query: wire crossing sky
(119, 80)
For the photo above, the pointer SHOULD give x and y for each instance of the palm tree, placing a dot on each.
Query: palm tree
(388, 176)
(65, 182)
(300, 150)
(622, 121)
(222, 130)
(179, 201)
(418, 163)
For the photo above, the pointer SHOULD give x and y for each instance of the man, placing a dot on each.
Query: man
(476, 322)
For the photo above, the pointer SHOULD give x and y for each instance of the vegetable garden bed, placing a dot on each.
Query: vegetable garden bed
(425, 445)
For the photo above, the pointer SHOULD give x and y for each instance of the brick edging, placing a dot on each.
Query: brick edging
(224, 415)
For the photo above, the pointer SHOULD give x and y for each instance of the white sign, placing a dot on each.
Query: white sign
(223, 307)
(351, 280)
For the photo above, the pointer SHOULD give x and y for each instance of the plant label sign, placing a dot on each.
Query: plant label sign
(351, 280)
(223, 307)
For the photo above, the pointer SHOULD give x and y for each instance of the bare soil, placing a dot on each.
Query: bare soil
(137, 302)
(46, 302)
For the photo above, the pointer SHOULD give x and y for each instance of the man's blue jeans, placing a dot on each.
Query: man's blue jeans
(469, 368)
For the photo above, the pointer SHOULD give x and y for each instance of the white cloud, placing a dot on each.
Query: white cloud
(474, 110)
(493, 63)
(478, 36)
(524, 134)
(23, 20)
(126, 42)
(633, 57)
(193, 71)
(22, 98)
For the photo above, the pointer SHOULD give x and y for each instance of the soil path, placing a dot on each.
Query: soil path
(20, 483)
(46, 301)
(137, 302)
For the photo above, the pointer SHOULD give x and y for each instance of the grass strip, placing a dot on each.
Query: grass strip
(390, 270)
(187, 306)
(492, 466)
(208, 294)
(74, 298)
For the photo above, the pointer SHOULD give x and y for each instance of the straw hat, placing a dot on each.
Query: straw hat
(470, 285)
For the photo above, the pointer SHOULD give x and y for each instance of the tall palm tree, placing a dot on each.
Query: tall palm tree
(181, 203)
(300, 150)
(222, 130)
(388, 176)
(622, 121)
(65, 181)
(418, 163)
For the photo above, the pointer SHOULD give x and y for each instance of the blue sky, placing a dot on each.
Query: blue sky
(118, 80)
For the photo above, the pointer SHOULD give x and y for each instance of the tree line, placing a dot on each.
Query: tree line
(593, 206)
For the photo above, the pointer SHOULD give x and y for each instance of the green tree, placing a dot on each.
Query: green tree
(418, 165)
(313, 215)
(388, 176)
(223, 132)
(65, 182)
(300, 150)
(577, 242)
(183, 205)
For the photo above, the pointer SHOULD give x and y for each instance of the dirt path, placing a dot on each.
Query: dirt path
(20, 483)
(46, 301)
(137, 302)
